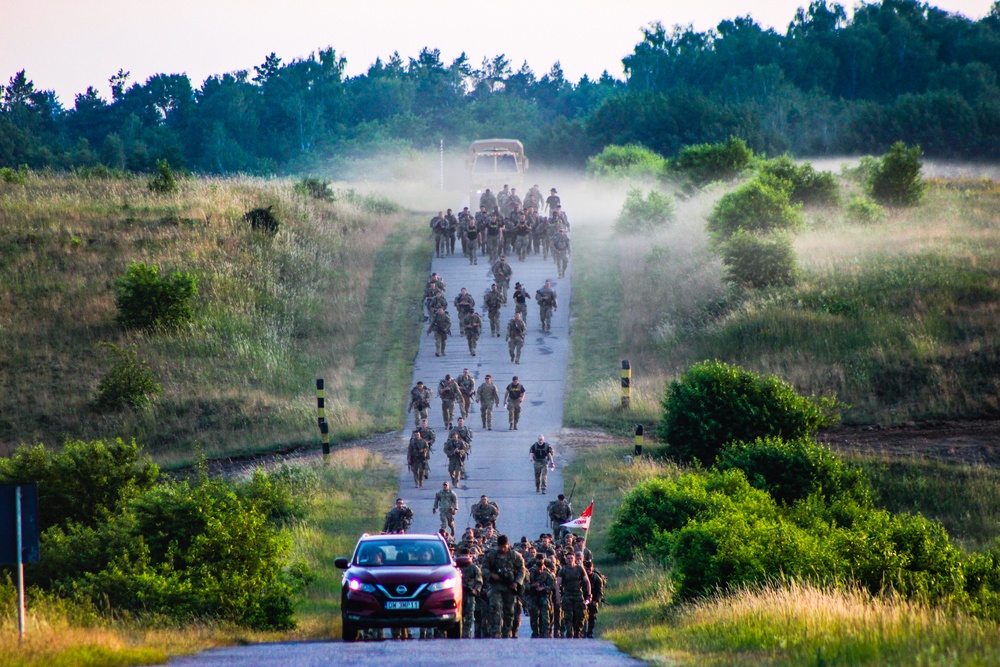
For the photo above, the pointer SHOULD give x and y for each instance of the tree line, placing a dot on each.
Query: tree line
(897, 70)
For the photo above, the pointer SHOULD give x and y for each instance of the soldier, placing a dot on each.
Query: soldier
(543, 459)
(503, 570)
(464, 304)
(494, 302)
(546, 300)
(494, 232)
(488, 398)
(472, 586)
(560, 512)
(398, 519)
(441, 328)
(447, 502)
(543, 232)
(516, 330)
(467, 387)
(522, 236)
(420, 399)
(503, 197)
(514, 201)
(512, 398)
(559, 219)
(502, 271)
(521, 297)
(541, 583)
(451, 229)
(439, 227)
(552, 201)
(561, 252)
(574, 585)
(418, 456)
(464, 432)
(485, 513)
(470, 237)
(427, 433)
(457, 450)
(437, 282)
(449, 392)
(487, 200)
(597, 583)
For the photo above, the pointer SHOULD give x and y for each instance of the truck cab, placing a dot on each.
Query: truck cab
(492, 163)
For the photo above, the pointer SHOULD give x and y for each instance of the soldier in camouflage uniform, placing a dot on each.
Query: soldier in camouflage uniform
(493, 233)
(541, 583)
(597, 583)
(420, 400)
(473, 324)
(467, 385)
(494, 302)
(502, 272)
(418, 456)
(450, 231)
(447, 501)
(435, 301)
(487, 200)
(485, 513)
(546, 300)
(457, 450)
(561, 252)
(575, 586)
(470, 238)
(516, 331)
(464, 304)
(398, 519)
(464, 432)
(439, 227)
(504, 572)
(441, 328)
(472, 586)
(488, 398)
(560, 512)
(522, 237)
(520, 297)
(512, 398)
(448, 392)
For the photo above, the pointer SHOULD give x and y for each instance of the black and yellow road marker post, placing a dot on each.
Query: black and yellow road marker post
(626, 384)
(324, 428)
(638, 439)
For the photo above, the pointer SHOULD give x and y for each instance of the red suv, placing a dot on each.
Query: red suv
(401, 581)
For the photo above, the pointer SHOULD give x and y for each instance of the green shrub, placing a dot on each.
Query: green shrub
(754, 206)
(714, 403)
(791, 470)
(759, 260)
(808, 186)
(317, 188)
(896, 179)
(19, 177)
(163, 181)
(281, 494)
(864, 210)
(263, 220)
(128, 384)
(373, 203)
(862, 172)
(83, 483)
(630, 161)
(702, 164)
(640, 215)
(982, 583)
(146, 301)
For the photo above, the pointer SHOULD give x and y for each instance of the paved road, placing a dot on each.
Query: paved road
(498, 467)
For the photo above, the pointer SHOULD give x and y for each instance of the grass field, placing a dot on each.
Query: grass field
(897, 319)
(272, 314)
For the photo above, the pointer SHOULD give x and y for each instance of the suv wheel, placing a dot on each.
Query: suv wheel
(350, 632)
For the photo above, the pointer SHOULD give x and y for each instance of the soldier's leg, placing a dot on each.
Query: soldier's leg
(579, 616)
(418, 474)
(517, 413)
(544, 476)
(443, 516)
(531, 605)
(592, 610)
(518, 347)
(444, 342)
(489, 417)
(496, 612)
(482, 413)
(538, 474)
(516, 622)
(468, 614)
(447, 412)
(451, 521)
(543, 618)
(510, 347)
(509, 600)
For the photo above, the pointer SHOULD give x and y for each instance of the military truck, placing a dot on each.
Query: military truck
(492, 163)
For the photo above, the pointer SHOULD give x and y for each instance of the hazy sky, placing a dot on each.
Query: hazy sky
(66, 45)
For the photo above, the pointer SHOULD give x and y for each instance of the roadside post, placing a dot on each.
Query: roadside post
(626, 384)
(638, 439)
(19, 535)
(324, 428)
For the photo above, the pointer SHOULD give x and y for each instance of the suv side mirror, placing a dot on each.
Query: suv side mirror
(463, 561)
(342, 563)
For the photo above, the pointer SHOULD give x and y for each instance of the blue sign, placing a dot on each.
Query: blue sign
(8, 523)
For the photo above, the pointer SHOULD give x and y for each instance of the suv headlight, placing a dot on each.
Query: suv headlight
(357, 585)
(445, 585)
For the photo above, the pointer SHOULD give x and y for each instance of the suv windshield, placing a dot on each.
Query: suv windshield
(377, 553)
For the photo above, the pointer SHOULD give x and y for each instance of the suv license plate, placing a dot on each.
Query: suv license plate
(402, 605)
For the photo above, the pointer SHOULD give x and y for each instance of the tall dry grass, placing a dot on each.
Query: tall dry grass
(272, 314)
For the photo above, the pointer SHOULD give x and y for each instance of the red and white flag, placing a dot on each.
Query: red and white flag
(582, 521)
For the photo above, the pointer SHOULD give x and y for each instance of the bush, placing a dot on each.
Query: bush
(807, 185)
(790, 470)
(640, 215)
(316, 188)
(864, 210)
(759, 260)
(714, 403)
(85, 482)
(128, 384)
(982, 583)
(703, 163)
(754, 206)
(146, 301)
(375, 204)
(19, 177)
(163, 181)
(262, 220)
(630, 161)
(896, 179)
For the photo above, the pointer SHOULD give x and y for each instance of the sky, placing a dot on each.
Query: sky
(67, 45)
